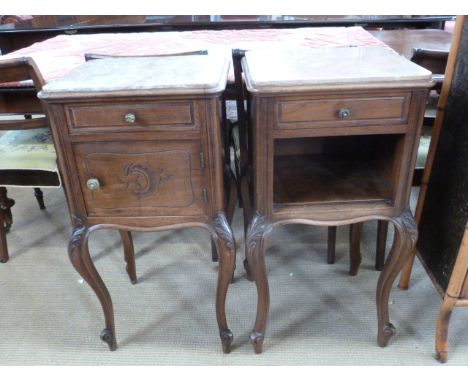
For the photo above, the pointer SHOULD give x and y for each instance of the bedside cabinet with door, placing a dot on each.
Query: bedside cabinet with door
(140, 149)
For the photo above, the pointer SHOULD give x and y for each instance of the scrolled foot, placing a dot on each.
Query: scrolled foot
(388, 332)
(3, 260)
(256, 339)
(108, 336)
(442, 356)
(248, 271)
(226, 340)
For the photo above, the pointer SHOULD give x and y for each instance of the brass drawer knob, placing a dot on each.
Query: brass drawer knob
(344, 113)
(93, 184)
(130, 118)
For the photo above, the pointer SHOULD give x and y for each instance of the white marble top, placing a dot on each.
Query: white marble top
(194, 74)
(315, 68)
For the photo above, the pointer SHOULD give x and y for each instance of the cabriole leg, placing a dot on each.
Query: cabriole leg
(79, 256)
(403, 245)
(256, 234)
(226, 248)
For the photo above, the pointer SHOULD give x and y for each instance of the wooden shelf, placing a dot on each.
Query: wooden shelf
(309, 179)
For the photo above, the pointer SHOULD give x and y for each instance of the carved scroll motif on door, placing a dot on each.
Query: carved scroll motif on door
(141, 180)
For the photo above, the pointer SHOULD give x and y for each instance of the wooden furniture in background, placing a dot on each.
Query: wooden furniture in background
(436, 62)
(140, 148)
(23, 31)
(428, 48)
(435, 136)
(404, 41)
(456, 295)
(24, 142)
(442, 208)
(335, 142)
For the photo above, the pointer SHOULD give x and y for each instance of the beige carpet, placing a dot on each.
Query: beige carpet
(319, 315)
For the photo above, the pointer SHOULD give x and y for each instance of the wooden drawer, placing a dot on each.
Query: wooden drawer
(137, 116)
(141, 178)
(346, 111)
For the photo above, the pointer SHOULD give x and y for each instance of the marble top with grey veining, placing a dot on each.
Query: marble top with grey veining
(194, 74)
(315, 68)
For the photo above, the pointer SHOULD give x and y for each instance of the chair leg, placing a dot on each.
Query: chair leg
(355, 232)
(214, 252)
(5, 205)
(3, 243)
(382, 230)
(406, 272)
(6, 220)
(442, 328)
(40, 197)
(129, 254)
(331, 245)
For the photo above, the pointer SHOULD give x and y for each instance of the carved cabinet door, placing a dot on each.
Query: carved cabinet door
(142, 178)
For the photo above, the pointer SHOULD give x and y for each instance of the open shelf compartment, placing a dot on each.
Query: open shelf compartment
(346, 169)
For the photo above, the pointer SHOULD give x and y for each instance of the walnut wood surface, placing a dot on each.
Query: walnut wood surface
(405, 40)
(165, 170)
(327, 171)
(170, 114)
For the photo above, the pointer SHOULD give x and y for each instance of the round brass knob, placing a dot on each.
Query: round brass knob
(93, 184)
(344, 113)
(130, 118)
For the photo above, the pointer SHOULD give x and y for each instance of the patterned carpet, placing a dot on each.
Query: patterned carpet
(319, 314)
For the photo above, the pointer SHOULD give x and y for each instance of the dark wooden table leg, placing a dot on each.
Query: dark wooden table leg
(129, 253)
(79, 256)
(355, 257)
(331, 245)
(39, 197)
(6, 220)
(214, 252)
(3, 240)
(382, 230)
(226, 246)
(5, 204)
(403, 245)
(247, 215)
(256, 235)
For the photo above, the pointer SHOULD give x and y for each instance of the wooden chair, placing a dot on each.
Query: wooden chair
(229, 178)
(27, 151)
(27, 154)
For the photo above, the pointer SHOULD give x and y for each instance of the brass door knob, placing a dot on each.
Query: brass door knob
(93, 184)
(130, 118)
(344, 113)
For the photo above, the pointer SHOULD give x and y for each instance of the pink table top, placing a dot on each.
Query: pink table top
(59, 55)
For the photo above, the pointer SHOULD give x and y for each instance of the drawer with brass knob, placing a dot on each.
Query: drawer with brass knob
(181, 115)
(360, 110)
